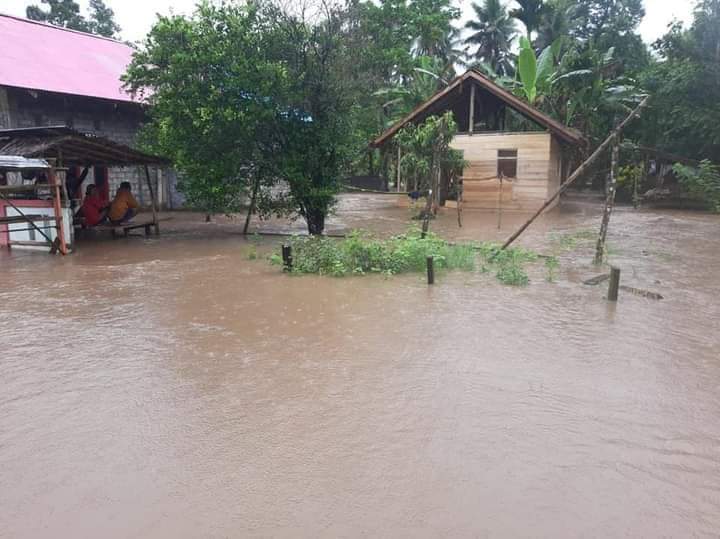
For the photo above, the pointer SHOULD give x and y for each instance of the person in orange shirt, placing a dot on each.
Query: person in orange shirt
(124, 206)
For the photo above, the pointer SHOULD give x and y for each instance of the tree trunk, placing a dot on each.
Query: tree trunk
(371, 162)
(251, 209)
(315, 221)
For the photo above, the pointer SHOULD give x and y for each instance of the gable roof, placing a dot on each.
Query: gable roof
(565, 133)
(39, 56)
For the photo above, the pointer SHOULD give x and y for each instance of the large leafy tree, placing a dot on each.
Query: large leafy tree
(684, 117)
(602, 24)
(246, 97)
(66, 13)
(211, 88)
(313, 135)
(102, 20)
(492, 31)
(432, 23)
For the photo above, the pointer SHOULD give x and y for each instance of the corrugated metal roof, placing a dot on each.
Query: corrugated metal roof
(40, 56)
(16, 162)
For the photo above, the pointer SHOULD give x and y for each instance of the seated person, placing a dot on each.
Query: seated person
(93, 208)
(124, 206)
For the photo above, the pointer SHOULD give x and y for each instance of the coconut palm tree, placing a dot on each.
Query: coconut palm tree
(452, 52)
(530, 13)
(492, 32)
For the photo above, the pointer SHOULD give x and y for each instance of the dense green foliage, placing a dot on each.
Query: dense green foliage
(66, 13)
(702, 181)
(685, 86)
(427, 162)
(257, 99)
(244, 97)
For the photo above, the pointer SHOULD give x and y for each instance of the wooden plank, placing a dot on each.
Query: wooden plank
(38, 243)
(128, 226)
(24, 219)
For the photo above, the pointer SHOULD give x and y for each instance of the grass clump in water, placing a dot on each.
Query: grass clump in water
(509, 264)
(551, 265)
(577, 239)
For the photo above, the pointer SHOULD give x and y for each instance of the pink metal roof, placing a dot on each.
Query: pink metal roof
(39, 56)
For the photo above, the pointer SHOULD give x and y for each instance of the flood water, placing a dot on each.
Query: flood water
(172, 387)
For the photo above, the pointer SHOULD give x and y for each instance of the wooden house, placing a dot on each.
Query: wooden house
(516, 155)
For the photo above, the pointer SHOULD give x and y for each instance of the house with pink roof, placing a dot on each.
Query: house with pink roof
(51, 76)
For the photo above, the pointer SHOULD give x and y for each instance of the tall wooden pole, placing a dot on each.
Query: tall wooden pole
(471, 114)
(609, 204)
(459, 200)
(578, 172)
(398, 167)
(500, 201)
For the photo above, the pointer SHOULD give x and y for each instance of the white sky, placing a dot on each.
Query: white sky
(137, 16)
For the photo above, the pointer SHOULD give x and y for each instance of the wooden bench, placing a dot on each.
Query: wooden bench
(125, 229)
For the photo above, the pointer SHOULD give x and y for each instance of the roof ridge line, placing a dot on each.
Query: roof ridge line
(62, 28)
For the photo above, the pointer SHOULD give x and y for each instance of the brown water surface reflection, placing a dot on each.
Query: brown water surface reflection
(173, 388)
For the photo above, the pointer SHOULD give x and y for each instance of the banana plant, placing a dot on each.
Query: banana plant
(536, 74)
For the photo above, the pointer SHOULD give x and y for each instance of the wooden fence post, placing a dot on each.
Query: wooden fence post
(430, 270)
(287, 257)
(614, 285)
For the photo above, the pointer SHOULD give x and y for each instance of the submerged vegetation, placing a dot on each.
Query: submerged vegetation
(361, 253)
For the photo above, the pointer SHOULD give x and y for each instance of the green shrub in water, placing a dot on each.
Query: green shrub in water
(360, 253)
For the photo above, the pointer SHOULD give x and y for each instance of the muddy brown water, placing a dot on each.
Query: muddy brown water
(172, 387)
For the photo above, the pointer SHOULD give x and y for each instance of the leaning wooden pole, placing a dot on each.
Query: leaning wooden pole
(609, 204)
(578, 172)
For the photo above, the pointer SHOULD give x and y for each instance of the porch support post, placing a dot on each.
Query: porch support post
(471, 115)
(153, 201)
(398, 167)
(57, 209)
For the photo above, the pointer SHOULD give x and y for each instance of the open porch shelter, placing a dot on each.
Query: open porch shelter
(63, 149)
